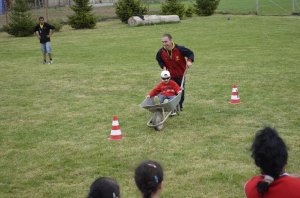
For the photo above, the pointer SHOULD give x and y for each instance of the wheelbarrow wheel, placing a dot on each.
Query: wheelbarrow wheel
(156, 119)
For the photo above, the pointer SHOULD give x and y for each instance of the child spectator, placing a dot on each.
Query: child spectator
(270, 155)
(148, 178)
(104, 187)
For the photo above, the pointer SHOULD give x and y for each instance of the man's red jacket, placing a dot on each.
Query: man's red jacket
(174, 60)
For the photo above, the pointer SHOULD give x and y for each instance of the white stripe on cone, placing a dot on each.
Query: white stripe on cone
(115, 123)
(115, 132)
(234, 97)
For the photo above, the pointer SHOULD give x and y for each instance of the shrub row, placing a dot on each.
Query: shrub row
(22, 24)
(128, 8)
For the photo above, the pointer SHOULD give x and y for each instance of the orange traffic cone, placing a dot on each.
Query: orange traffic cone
(235, 99)
(115, 133)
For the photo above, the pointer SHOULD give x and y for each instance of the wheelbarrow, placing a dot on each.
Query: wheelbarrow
(161, 112)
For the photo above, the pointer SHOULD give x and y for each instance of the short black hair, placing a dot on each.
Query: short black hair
(104, 187)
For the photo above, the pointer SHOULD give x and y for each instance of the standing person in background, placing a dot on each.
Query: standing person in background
(104, 187)
(44, 31)
(176, 59)
(148, 178)
(270, 155)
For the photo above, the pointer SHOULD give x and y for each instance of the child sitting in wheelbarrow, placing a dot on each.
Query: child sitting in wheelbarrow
(167, 88)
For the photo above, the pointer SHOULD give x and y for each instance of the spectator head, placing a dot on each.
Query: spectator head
(270, 155)
(104, 187)
(148, 178)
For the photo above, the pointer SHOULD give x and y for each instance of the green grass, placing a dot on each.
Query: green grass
(265, 7)
(237, 7)
(55, 119)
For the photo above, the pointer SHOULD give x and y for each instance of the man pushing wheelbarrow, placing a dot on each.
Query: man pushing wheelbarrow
(169, 94)
(174, 60)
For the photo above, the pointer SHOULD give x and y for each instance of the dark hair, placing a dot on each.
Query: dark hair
(270, 154)
(41, 17)
(167, 35)
(104, 187)
(148, 177)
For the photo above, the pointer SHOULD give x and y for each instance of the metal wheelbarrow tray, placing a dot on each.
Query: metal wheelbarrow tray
(160, 111)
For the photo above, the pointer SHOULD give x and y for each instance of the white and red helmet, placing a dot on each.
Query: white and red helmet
(165, 74)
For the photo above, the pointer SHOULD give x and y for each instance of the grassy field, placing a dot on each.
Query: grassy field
(265, 7)
(55, 119)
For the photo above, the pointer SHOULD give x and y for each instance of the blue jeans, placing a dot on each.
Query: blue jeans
(46, 48)
(162, 98)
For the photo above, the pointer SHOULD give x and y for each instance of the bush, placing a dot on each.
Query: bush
(128, 8)
(189, 11)
(206, 7)
(83, 18)
(57, 24)
(21, 23)
(173, 7)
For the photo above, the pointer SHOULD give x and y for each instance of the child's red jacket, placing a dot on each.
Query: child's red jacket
(169, 89)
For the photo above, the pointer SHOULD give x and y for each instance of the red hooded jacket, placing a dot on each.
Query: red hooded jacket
(166, 89)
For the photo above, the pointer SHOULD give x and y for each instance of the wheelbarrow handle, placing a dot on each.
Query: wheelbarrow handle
(183, 78)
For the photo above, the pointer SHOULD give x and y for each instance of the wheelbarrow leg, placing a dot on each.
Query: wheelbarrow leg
(177, 109)
(156, 119)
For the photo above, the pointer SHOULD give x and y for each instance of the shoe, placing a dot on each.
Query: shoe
(173, 113)
(50, 62)
(44, 62)
(166, 101)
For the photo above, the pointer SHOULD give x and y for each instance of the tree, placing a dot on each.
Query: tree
(82, 18)
(206, 7)
(21, 23)
(173, 7)
(128, 8)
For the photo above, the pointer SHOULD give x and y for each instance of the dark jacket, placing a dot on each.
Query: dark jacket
(44, 31)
